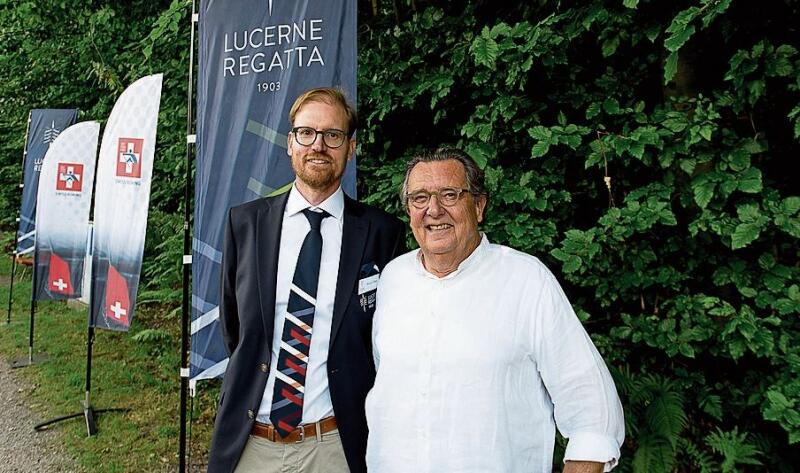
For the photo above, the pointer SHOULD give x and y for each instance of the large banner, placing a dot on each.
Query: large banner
(44, 127)
(256, 57)
(62, 219)
(124, 169)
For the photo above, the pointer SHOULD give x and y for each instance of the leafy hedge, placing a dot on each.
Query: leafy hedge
(642, 149)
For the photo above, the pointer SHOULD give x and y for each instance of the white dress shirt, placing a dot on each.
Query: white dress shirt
(317, 399)
(477, 368)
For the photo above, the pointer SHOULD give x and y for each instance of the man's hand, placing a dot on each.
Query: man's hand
(583, 467)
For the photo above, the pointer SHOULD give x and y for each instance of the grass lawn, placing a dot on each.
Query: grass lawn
(140, 375)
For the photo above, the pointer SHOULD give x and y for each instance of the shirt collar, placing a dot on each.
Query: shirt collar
(471, 260)
(334, 204)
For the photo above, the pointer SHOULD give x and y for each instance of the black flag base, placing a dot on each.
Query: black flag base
(31, 359)
(88, 413)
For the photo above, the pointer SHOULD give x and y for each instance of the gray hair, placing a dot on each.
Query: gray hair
(474, 174)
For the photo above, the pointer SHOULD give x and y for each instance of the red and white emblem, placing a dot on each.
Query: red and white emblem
(69, 177)
(129, 157)
(58, 279)
(118, 304)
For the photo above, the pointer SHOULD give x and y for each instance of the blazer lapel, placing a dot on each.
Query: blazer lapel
(354, 239)
(268, 238)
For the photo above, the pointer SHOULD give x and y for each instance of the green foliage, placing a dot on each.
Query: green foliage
(734, 448)
(150, 335)
(642, 149)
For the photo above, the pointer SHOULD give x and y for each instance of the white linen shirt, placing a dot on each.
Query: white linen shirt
(475, 370)
(317, 398)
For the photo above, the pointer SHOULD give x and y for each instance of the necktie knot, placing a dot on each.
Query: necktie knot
(315, 218)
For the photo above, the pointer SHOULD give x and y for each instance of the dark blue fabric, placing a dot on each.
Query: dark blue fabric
(45, 126)
(251, 68)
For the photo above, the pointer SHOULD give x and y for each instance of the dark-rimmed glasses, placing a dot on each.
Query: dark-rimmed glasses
(447, 196)
(306, 136)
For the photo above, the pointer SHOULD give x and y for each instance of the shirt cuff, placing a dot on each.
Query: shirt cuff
(587, 446)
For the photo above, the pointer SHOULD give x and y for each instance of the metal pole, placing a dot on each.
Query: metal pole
(30, 332)
(187, 248)
(11, 287)
(87, 406)
(19, 219)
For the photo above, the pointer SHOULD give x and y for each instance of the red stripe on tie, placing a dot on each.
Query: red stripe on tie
(285, 427)
(291, 364)
(300, 337)
(291, 397)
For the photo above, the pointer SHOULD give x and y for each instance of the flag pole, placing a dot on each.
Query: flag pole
(187, 252)
(23, 362)
(19, 215)
(88, 412)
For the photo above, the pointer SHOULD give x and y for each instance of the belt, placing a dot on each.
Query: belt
(299, 434)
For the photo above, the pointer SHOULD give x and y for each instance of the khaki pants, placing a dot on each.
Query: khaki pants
(309, 456)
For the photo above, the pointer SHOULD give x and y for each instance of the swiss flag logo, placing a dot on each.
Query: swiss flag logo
(129, 157)
(58, 279)
(69, 177)
(117, 300)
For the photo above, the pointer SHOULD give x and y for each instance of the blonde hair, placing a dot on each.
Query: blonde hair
(331, 96)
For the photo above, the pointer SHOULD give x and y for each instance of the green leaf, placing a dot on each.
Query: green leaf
(703, 192)
(670, 67)
(594, 109)
(750, 181)
(540, 149)
(540, 133)
(630, 3)
(611, 106)
(688, 165)
(484, 50)
(679, 38)
(500, 29)
(744, 234)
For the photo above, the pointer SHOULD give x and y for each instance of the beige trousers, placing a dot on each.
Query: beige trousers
(309, 456)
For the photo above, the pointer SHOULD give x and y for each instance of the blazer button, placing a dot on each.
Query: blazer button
(264, 367)
(250, 414)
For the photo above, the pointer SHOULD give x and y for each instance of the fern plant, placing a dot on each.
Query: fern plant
(734, 448)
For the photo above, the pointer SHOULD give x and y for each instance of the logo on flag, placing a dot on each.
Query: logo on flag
(117, 299)
(58, 279)
(69, 177)
(50, 134)
(129, 157)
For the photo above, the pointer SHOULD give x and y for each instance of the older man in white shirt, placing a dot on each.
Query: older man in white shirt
(479, 353)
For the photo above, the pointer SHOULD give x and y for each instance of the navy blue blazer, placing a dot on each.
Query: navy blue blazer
(370, 237)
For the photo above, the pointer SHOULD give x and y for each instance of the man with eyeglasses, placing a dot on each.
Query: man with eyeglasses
(479, 354)
(299, 274)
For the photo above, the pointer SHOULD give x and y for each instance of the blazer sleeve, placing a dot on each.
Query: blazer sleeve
(228, 310)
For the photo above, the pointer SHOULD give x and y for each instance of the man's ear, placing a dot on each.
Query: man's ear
(289, 143)
(352, 148)
(480, 206)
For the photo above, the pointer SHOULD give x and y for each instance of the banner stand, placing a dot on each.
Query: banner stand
(187, 255)
(88, 411)
(19, 214)
(11, 285)
(31, 359)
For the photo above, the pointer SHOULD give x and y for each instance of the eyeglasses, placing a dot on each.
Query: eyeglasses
(447, 196)
(306, 136)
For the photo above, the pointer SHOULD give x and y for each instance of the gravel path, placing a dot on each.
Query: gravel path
(23, 450)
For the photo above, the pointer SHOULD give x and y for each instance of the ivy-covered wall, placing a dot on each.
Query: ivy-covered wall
(643, 149)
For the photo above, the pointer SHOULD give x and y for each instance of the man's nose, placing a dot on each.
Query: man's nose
(434, 207)
(319, 143)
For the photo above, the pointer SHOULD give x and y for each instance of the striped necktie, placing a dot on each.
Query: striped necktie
(290, 379)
